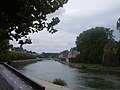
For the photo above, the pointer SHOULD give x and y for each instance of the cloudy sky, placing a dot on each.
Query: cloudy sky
(76, 16)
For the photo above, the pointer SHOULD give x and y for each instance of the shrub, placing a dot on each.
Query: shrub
(16, 56)
(59, 81)
(83, 67)
(20, 56)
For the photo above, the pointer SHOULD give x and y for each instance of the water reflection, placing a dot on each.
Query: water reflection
(77, 79)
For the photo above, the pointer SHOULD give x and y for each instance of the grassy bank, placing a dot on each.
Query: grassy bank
(12, 56)
(19, 56)
(99, 67)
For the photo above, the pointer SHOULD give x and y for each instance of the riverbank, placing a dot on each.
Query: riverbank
(77, 79)
(23, 62)
(97, 67)
(49, 86)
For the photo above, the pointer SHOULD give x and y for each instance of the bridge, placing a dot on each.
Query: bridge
(40, 59)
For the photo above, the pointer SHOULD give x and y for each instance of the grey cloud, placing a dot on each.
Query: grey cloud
(75, 17)
(51, 43)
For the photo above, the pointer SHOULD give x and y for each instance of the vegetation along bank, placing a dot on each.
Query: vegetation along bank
(12, 56)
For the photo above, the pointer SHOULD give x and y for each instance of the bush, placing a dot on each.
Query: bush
(16, 56)
(83, 67)
(59, 81)
(19, 56)
(3, 49)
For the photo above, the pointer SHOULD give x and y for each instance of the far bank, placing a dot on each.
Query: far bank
(96, 67)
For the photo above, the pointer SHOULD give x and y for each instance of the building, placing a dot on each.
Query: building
(69, 56)
(72, 54)
(110, 56)
(63, 55)
(16, 49)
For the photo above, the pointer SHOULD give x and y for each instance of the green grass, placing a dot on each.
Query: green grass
(93, 67)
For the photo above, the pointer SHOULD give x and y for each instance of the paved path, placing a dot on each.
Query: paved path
(49, 86)
(13, 80)
(18, 84)
(4, 85)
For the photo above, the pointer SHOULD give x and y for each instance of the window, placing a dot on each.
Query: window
(111, 49)
(111, 60)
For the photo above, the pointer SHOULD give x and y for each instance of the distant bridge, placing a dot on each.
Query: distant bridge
(40, 59)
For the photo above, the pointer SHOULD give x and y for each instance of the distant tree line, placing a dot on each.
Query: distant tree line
(90, 44)
(49, 55)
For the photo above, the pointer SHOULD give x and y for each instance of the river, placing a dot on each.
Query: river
(77, 79)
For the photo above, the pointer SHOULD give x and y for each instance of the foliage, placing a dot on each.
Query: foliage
(18, 18)
(118, 24)
(59, 81)
(27, 41)
(4, 44)
(91, 42)
(119, 51)
(83, 67)
(18, 56)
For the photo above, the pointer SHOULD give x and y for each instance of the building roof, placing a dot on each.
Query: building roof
(111, 44)
(73, 49)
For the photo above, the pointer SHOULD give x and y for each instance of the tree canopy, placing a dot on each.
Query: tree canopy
(27, 41)
(91, 42)
(118, 24)
(18, 18)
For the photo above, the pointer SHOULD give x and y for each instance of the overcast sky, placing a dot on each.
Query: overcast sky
(76, 16)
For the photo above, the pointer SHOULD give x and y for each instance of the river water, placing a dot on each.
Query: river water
(77, 79)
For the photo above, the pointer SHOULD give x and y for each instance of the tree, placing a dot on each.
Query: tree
(118, 24)
(4, 44)
(18, 18)
(91, 42)
(27, 41)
